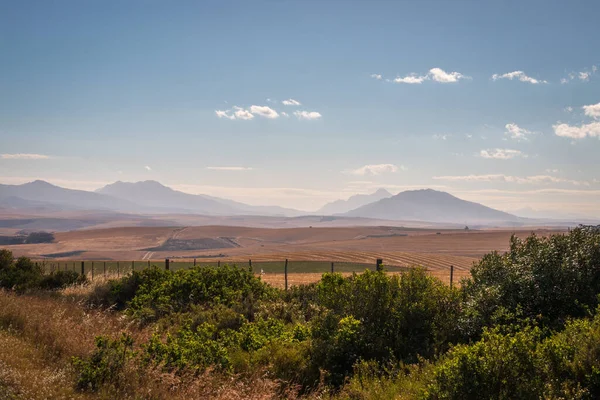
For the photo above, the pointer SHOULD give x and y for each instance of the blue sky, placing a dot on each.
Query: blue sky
(496, 102)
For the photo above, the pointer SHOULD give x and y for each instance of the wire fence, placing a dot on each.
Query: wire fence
(281, 273)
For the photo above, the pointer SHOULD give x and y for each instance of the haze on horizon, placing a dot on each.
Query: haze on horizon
(276, 103)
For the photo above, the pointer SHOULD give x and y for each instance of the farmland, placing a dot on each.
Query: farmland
(310, 251)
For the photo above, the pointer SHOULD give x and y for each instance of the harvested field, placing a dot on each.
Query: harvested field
(309, 250)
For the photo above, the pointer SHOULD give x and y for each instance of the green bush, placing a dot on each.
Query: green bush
(61, 279)
(20, 275)
(106, 363)
(374, 316)
(550, 279)
(169, 292)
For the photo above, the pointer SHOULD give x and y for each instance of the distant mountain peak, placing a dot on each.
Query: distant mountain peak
(430, 205)
(382, 192)
(358, 200)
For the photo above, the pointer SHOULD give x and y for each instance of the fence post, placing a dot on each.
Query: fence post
(92, 270)
(286, 282)
(167, 264)
(105, 269)
(132, 266)
(250, 265)
(332, 267)
(118, 269)
(148, 263)
(218, 263)
(83, 268)
(451, 275)
(379, 264)
(194, 262)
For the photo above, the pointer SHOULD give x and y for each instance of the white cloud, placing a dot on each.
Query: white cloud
(24, 156)
(224, 114)
(308, 115)
(441, 137)
(376, 169)
(291, 102)
(520, 75)
(534, 179)
(577, 132)
(584, 76)
(247, 114)
(439, 75)
(411, 79)
(264, 111)
(242, 114)
(285, 114)
(516, 132)
(434, 74)
(569, 109)
(501, 154)
(148, 168)
(593, 110)
(377, 76)
(230, 168)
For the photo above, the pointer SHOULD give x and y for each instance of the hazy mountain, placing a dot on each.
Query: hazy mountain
(431, 205)
(154, 194)
(57, 197)
(359, 200)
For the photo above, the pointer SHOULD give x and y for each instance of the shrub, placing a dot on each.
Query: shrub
(550, 279)
(61, 279)
(105, 364)
(21, 274)
(373, 316)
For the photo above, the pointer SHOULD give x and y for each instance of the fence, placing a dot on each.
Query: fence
(283, 273)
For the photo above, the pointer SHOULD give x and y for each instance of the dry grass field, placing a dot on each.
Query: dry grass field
(433, 249)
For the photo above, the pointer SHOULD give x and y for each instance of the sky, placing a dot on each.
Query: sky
(298, 103)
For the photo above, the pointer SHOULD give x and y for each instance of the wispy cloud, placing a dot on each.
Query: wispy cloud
(24, 156)
(377, 76)
(308, 115)
(534, 179)
(148, 168)
(434, 74)
(411, 79)
(376, 169)
(247, 114)
(501, 154)
(230, 168)
(441, 137)
(519, 75)
(264, 111)
(577, 132)
(591, 129)
(516, 132)
(583, 76)
(291, 102)
(439, 75)
(593, 110)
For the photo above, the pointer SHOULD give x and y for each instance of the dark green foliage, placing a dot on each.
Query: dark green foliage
(373, 316)
(61, 279)
(23, 274)
(20, 274)
(106, 363)
(497, 367)
(167, 292)
(549, 279)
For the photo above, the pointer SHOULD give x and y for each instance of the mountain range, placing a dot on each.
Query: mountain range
(358, 200)
(151, 197)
